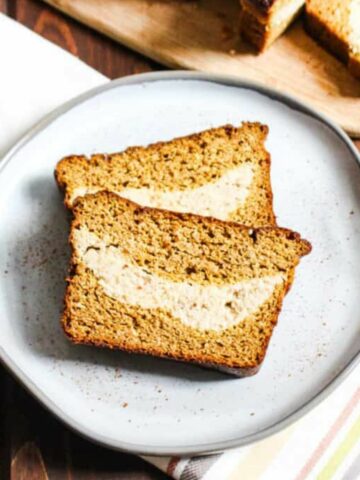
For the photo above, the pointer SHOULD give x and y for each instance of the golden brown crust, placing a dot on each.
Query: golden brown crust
(254, 31)
(93, 317)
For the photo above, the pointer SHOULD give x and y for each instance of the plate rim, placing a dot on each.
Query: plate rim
(197, 449)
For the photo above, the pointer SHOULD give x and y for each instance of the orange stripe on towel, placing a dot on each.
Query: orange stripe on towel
(172, 465)
(325, 442)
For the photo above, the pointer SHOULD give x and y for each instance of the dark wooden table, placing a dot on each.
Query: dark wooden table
(33, 444)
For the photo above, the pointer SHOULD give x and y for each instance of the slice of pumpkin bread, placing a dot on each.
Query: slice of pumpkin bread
(174, 285)
(222, 172)
(335, 24)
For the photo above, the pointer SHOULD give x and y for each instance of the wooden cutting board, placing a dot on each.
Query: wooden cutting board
(202, 35)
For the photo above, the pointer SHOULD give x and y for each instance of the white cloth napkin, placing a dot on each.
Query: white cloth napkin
(36, 77)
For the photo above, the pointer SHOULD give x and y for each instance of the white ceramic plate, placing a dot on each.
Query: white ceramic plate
(153, 406)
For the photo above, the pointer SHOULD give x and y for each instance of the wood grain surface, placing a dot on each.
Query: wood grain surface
(33, 444)
(112, 59)
(203, 35)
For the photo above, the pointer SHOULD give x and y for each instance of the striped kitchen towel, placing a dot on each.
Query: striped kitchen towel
(323, 445)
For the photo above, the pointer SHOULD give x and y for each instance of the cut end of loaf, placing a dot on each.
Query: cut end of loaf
(263, 21)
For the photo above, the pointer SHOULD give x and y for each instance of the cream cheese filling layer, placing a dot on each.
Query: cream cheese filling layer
(216, 199)
(204, 307)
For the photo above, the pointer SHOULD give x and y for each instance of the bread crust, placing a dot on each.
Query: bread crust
(253, 31)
